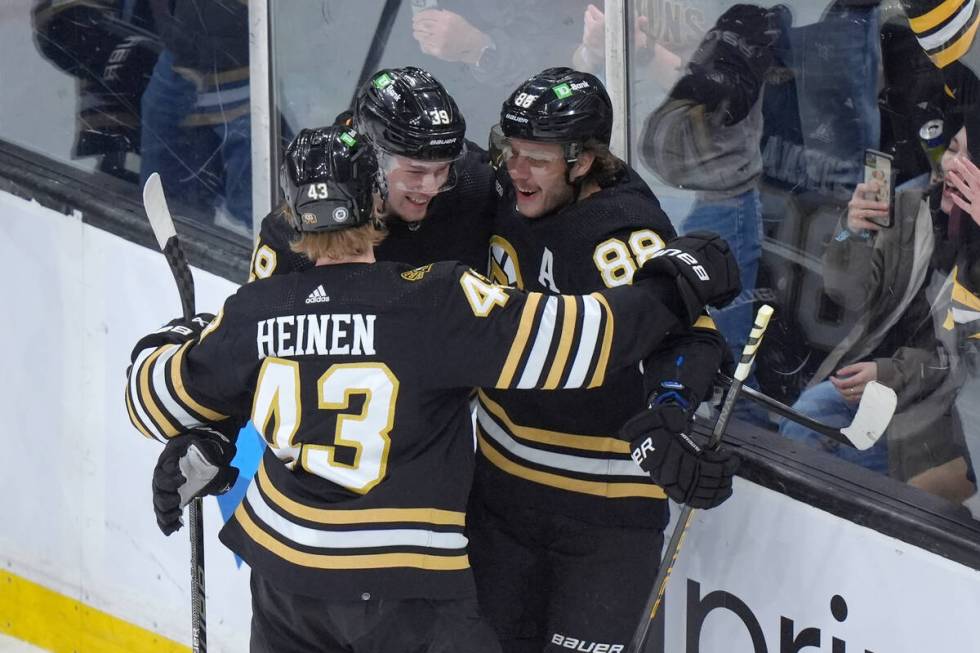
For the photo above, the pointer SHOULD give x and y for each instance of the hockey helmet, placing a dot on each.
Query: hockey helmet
(558, 105)
(328, 176)
(406, 112)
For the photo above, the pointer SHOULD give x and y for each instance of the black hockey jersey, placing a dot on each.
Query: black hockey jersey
(456, 228)
(358, 378)
(559, 451)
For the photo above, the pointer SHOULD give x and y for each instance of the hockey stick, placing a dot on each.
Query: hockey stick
(155, 203)
(874, 413)
(687, 512)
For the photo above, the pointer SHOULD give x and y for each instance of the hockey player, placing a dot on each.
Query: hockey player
(560, 516)
(438, 189)
(357, 374)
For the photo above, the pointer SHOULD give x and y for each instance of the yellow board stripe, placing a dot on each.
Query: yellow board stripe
(58, 623)
(564, 344)
(133, 417)
(161, 422)
(366, 516)
(607, 490)
(598, 443)
(369, 561)
(935, 16)
(600, 369)
(182, 394)
(520, 340)
(958, 48)
(705, 322)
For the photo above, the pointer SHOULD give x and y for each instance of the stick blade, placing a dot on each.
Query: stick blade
(155, 204)
(874, 413)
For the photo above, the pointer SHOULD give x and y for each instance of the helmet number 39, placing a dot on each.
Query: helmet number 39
(439, 116)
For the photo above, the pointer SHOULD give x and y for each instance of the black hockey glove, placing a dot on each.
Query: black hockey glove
(688, 473)
(193, 464)
(175, 332)
(727, 70)
(703, 268)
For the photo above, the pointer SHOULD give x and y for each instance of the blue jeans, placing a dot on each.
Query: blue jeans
(836, 64)
(822, 402)
(203, 165)
(739, 221)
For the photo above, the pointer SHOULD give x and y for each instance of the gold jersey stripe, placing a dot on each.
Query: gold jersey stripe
(607, 490)
(215, 117)
(214, 324)
(598, 443)
(160, 420)
(935, 16)
(958, 48)
(367, 561)
(705, 322)
(520, 340)
(962, 295)
(364, 516)
(182, 394)
(599, 376)
(564, 344)
(134, 418)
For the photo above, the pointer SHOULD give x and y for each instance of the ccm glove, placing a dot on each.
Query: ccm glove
(688, 473)
(727, 70)
(703, 268)
(175, 332)
(193, 464)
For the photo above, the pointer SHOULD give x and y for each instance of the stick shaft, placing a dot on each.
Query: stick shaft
(161, 222)
(686, 515)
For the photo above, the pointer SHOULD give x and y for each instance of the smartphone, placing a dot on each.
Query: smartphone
(878, 167)
(421, 5)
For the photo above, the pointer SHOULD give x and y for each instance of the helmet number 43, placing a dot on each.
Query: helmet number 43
(439, 116)
(317, 192)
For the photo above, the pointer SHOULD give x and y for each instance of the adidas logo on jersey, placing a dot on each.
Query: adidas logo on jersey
(318, 296)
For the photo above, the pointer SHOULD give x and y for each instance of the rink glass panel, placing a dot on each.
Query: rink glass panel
(844, 78)
(96, 86)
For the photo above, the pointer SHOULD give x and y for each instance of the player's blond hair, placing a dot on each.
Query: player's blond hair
(336, 245)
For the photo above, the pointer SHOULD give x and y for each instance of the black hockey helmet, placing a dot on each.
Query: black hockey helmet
(328, 176)
(558, 105)
(406, 111)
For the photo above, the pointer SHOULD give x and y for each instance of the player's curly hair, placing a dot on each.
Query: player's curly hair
(605, 166)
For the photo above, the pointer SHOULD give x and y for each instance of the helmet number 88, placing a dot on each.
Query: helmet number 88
(439, 116)
(524, 100)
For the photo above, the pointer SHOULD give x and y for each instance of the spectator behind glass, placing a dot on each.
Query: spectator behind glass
(496, 45)
(110, 46)
(196, 121)
(962, 188)
(705, 137)
(891, 277)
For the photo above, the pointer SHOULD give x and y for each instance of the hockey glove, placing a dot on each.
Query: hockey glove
(175, 332)
(727, 70)
(193, 464)
(703, 268)
(688, 473)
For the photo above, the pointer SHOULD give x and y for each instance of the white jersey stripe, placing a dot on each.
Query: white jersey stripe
(170, 403)
(542, 343)
(591, 319)
(953, 26)
(559, 461)
(135, 395)
(350, 539)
